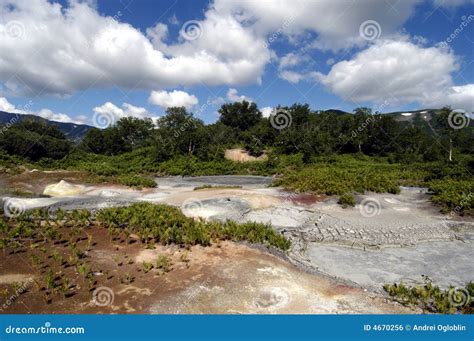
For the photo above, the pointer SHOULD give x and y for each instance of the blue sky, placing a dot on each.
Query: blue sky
(74, 61)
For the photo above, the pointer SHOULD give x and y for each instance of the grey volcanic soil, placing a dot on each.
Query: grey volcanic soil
(385, 238)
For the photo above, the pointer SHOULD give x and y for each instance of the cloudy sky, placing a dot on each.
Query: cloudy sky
(79, 60)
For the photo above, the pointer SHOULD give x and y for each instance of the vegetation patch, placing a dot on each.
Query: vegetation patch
(325, 152)
(454, 196)
(136, 181)
(168, 225)
(341, 175)
(58, 244)
(432, 299)
(346, 200)
(451, 184)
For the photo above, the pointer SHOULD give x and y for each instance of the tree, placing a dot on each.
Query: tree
(362, 122)
(35, 139)
(135, 131)
(447, 132)
(178, 133)
(93, 141)
(127, 134)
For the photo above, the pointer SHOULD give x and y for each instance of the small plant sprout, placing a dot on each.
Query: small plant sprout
(127, 279)
(164, 263)
(147, 266)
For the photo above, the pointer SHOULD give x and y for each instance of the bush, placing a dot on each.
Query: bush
(456, 196)
(340, 175)
(433, 299)
(163, 263)
(136, 181)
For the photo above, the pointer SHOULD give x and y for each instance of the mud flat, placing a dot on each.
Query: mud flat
(226, 278)
(243, 280)
(446, 263)
(395, 238)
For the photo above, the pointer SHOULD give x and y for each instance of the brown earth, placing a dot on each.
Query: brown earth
(224, 278)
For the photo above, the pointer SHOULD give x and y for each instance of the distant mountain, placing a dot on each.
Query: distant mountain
(73, 131)
(427, 115)
(410, 116)
(335, 111)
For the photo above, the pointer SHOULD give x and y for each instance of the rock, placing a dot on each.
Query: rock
(63, 189)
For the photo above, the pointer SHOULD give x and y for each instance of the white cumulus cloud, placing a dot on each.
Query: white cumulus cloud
(398, 72)
(233, 96)
(127, 110)
(175, 98)
(5, 105)
(63, 49)
(266, 111)
(336, 22)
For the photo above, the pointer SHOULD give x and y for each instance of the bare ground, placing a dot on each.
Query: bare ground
(224, 278)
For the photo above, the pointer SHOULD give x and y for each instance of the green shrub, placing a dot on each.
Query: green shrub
(346, 200)
(455, 196)
(254, 233)
(168, 225)
(341, 175)
(136, 181)
(163, 263)
(433, 299)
